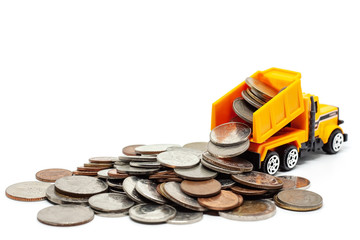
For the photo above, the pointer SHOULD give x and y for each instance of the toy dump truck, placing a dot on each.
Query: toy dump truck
(291, 123)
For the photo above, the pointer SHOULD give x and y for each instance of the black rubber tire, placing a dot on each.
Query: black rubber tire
(328, 147)
(284, 155)
(264, 165)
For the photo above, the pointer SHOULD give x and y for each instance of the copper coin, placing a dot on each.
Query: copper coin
(130, 150)
(103, 159)
(234, 163)
(291, 182)
(163, 180)
(225, 200)
(112, 173)
(258, 180)
(27, 191)
(247, 191)
(105, 165)
(52, 174)
(90, 169)
(207, 188)
(83, 173)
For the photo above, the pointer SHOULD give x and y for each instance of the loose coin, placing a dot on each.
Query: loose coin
(58, 198)
(258, 180)
(226, 183)
(187, 217)
(147, 189)
(111, 214)
(152, 213)
(291, 182)
(201, 146)
(154, 148)
(52, 174)
(135, 170)
(80, 186)
(130, 150)
(83, 173)
(27, 191)
(110, 202)
(244, 110)
(113, 174)
(218, 169)
(104, 165)
(195, 173)
(145, 164)
(260, 86)
(146, 158)
(248, 191)
(174, 192)
(115, 183)
(225, 200)
(129, 185)
(228, 152)
(251, 210)
(65, 215)
(103, 173)
(178, 159)
(231, 133)
(90, 169)
(250, 100)
(207, 188)
(103, 159)
(298, 200)
(190, 150)
(234, 163)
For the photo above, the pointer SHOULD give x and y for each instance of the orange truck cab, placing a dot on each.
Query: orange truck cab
(290, 123)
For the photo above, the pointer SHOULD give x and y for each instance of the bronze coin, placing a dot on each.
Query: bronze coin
(225, 200)
(90, 169)
(52, 174)
(247, 191)
(105, 165)
(103, 159)
(130, 150)
(234, 163)
(112, 173)
(258, 180)
(207, 188)
(291, 182)
(174, 179)
(83, 173)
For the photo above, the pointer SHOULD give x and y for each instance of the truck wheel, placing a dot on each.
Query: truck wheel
(335, 142)
(289, 158)
(271, 163)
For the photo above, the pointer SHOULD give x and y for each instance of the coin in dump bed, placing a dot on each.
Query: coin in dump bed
(228, 152)
(244, 110)
(225, 200)
(178, 159)
(231, 133)
(145, 164)
(174, 192)
(154, 148)
(80, 186)
(110, 202)
(251, 210)
(186, 217)
(258, 180)
(103, 159)
(250, 100)
(234, 163)
(291, 182)
(225, 183)
(130, 150)
(58, 198)
(135, 170)
(207, 188)
(27, 191)
(253, 96)
(152, 213)
(199, 172)
(115, 183)
(148, 158)
(218, 169)
(147, 189)
(113, 174)
(298, 200)
(262, 87)
(66, 215)
(52, 174)
(129, 185)
(248, 191)
(201, 146)
(190, 150)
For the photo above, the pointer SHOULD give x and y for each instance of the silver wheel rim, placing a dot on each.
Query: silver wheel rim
(273, 164)
(337, 142)
(292, 158)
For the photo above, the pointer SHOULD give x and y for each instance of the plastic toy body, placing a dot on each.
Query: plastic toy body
(291, 122)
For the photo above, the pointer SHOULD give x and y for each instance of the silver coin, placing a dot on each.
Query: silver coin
(65, 215)
(259, 95)
(228, 152)
(27, 191)
(114, 190)
(251, 211)
(110, 202)
(115, 183)
(57, 198)
(135, 170)
(174, 192)
(142, 158)
(129, 185)
(231, 133)
(250, 100)
(145, 164)
(152, 213)
(254, 97)
(201, 146)
(147, 189)
(103, 173)
(103, 159)
(178, 159)
(80, 186)
(154, 148)
(186, 217)
(260, 86)
(218, 169)
(244, 110)
(190, 150)
(199, 172)
(111, 214)
(226, 183)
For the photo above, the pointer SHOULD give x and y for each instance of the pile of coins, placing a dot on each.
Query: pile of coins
(164, 183)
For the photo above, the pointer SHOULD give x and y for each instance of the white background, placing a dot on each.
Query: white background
(85, 78)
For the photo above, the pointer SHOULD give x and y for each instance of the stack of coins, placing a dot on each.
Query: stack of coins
(94, 165)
